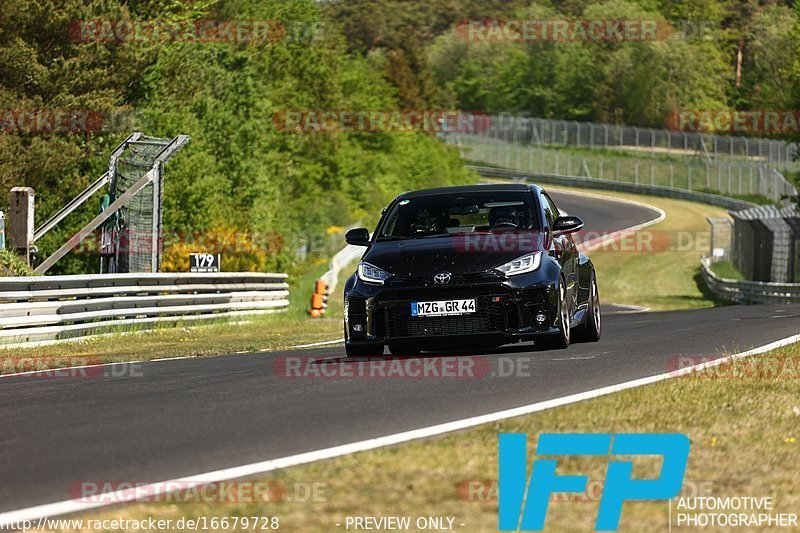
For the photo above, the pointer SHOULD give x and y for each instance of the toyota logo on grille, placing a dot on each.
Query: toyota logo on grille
(442, 277)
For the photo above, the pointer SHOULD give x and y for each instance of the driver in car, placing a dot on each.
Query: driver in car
(504, 217)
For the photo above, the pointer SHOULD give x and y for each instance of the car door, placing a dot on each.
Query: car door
(563, 248)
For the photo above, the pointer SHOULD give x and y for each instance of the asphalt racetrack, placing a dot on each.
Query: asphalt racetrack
(167, 419)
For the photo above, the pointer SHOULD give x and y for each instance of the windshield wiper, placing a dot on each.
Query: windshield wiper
(393, 238)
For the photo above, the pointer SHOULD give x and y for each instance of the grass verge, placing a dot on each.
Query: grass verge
(742, 419)
(726, 269)
(690, 173)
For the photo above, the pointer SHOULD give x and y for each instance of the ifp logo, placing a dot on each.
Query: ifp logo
(525, 507)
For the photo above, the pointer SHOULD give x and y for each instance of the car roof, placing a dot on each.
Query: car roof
(466, 189)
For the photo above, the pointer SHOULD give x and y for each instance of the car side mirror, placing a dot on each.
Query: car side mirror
(357, 237)
(567, 225)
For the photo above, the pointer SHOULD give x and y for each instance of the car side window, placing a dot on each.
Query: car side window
(550, 210)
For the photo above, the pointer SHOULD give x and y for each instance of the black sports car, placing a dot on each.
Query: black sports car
(462, 267)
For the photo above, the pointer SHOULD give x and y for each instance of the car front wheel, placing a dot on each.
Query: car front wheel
(590, 331)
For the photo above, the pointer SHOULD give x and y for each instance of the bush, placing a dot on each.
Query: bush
(12, 265)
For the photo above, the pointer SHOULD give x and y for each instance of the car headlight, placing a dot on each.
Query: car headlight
(522, 265)
(372, 274)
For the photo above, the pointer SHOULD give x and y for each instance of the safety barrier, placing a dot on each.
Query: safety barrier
(595, 183)
(51, 308)
(326, 284)
(748, 292)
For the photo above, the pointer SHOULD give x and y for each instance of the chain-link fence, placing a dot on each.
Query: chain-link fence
(520, 147)
(719, 149)
(135, 222)
(721, 241)
(132, 237)
(766, 244)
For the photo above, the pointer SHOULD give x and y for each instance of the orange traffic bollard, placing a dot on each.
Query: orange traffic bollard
(319, 298)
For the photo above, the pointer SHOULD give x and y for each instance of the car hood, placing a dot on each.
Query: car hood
(456, 254)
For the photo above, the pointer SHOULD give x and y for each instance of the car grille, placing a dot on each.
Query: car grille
(456, 280)
(490, 317)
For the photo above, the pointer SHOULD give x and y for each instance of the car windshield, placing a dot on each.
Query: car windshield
(457, 213)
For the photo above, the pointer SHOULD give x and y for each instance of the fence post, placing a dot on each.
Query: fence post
(591, 136)
(20, 221)
(652, 142)
(740, 180)
(515, 145)
(716, 159)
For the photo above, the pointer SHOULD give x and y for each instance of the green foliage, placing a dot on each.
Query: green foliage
(629, 82)
(238, 171)
(722, 54)
(12, 265)
(726, 269)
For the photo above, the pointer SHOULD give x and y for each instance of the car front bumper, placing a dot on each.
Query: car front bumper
(507, 310)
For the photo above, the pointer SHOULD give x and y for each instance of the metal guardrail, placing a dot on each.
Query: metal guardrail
(343, 257)
(595, 183)
(749, 292)
(46, 309)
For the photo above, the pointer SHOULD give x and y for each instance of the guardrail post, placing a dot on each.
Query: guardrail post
(20, 221)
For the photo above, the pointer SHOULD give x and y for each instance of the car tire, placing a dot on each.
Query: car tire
(363, 350)
(560, 340)
(404, 349)
(590, 331)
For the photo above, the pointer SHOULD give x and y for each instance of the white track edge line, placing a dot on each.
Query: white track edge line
(323, 343)
(72, 506)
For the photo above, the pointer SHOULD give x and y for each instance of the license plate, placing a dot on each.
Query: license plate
(443, 307)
